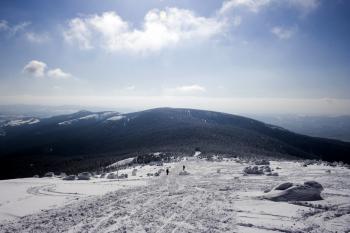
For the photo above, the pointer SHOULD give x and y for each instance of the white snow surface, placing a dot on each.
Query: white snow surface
(203, 201)
(110, 116)
(22, 122)
(115, 118)
(123, 162)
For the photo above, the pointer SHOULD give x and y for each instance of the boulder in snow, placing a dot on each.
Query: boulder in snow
(283, 186)
(255, 170)
(184, 173)
(84, 176)
(111, 176)
(49, 174)
(262, 162)
(70, 177)
(272, 174)
(309, 191)
(123, 176)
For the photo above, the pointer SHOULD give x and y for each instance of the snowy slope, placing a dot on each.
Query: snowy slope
(215, 197)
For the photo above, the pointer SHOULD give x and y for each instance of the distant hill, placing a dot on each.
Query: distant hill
(86, 139)
(336, 127)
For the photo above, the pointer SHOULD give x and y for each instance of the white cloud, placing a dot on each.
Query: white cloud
(38, 69)
(283, 33)
(160, 29)
(185, 90)
(36, 38)
(130, 88)
(304, 6)
(78, 33)
(35, 68)
(191, 88)
(252, 5)
(12, 30)
(58, 74)
(18, 27)
(237, 20)
(3, 25)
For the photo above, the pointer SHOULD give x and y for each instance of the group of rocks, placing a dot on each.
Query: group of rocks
(85, 176)
(157, 173)
(261, 167)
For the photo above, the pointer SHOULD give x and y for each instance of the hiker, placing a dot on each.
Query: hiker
(167, 171)
(183, 167)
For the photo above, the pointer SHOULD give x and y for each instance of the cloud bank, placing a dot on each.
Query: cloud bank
(305, 6)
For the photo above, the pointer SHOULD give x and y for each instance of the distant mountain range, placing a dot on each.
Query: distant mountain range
(85, 140)
(336, 127)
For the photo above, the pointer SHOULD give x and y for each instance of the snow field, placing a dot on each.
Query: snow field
(203, 201)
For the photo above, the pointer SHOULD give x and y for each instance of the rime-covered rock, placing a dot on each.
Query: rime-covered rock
(309, 191)
(184, 173)
(49, 174)
(262, 162)
(283, 186)
(123, 176)
(111, 176)
(254, 170)
(70, 177)
(84, 176)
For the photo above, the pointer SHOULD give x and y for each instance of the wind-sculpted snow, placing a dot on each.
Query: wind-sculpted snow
(202, 201)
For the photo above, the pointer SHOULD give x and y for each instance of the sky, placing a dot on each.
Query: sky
(236, 56)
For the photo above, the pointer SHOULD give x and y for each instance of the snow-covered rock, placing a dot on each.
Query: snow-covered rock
(184, 173)
(134, 172)
(283, 186)
(259, 170)
(309, 191)
(84, 176)
(111, 176)
(262, 162)
(123, 176)
(272, 174)
(49, 174)
(253, 170)
(70, 177)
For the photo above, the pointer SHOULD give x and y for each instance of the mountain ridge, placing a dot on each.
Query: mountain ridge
(114, 135)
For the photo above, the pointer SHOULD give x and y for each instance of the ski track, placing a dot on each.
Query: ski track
(208, 202)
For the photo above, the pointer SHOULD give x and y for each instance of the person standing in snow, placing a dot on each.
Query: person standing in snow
(167, 171)
(183, 167)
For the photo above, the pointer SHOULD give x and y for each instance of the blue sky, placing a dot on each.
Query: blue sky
(239, 56)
